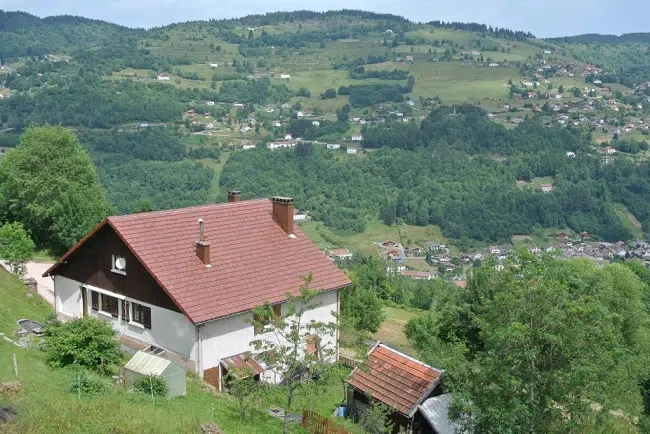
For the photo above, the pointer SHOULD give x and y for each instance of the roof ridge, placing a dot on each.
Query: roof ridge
(383, 345)
(186, 209)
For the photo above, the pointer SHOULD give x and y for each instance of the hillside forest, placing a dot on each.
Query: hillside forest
(164, 114)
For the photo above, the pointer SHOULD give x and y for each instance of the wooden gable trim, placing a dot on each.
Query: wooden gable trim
(72, 249)
(171, 297)
(102, 224)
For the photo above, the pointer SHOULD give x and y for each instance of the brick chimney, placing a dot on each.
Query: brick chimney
(202, 246)
(283, 213)
(234, 196)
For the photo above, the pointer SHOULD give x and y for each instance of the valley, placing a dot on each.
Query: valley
(188, 99)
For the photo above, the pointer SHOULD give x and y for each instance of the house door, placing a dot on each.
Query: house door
(84, 302)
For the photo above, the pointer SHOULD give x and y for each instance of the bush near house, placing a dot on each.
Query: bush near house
(87, 342)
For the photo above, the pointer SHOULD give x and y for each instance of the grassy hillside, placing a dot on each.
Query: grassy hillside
(44, 404)
(18, 301)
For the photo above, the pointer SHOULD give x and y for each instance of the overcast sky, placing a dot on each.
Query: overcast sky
(543, 18)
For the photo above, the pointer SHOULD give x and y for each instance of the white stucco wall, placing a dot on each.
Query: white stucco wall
(170, 330)
(67, 297)
(232, 335)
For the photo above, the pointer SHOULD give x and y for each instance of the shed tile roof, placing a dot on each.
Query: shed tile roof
(395, 379)
(253, 259)
(242, 365)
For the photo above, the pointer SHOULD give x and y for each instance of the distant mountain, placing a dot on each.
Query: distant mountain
(642, 38)
(23, 34)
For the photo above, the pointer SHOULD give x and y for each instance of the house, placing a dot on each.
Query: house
(388, 243)
(333, 146)
(276, 124)
(460, 283)
(419, 275)
(288, 136)
(278, 145)
(610, 150)
(315, 123)
(494, 64)
(605, 159)
(352, 151)
(546, 188)
(409, 58)
(208, 102)
(561, 236)
(299, 215)
(357, 138)
(214, 65)
(396, 380)
(494, 250)
(163, 77)
(571, 154)
(238, 104)
(148, 276)
(285, 76)
(244, 129)
(300, 115)
(340, 254)
(394, 254)
(585, 235)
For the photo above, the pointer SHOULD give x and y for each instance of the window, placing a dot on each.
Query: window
(109, 304)
(260, 323)
(118, 264)
(94, 300)
(125, 310)
(141, 315)
(312, 345)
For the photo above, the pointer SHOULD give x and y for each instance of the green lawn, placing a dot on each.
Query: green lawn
(18, 301)
(45, 406)
(217, 166)
(375, 232)
(628, 220)
(392, 329)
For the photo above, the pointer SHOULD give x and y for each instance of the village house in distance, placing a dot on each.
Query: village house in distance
(183, 282)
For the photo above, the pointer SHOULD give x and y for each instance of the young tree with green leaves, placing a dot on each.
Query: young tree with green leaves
(545, 345)
(48, 183)
(297, 348)
(242, 386)
(16, 247)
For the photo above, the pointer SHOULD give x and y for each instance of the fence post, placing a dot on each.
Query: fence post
(15, 365)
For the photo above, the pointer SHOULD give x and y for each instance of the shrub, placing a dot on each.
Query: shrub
(87, 342)
(151, 384)
(87, 383)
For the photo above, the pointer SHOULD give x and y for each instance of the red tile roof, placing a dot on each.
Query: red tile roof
(243, 365)
(395, 379)
(253, 259)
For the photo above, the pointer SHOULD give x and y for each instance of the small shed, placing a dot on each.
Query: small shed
(435, 411)
(145, 364)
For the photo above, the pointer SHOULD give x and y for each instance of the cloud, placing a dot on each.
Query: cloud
(549, 18)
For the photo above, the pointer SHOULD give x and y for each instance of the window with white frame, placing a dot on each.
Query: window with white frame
(118, 264)
(141, 315)
(109, 305)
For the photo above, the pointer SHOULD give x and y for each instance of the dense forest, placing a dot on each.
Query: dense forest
(22, 34)
(625, 58)
(459, 171)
